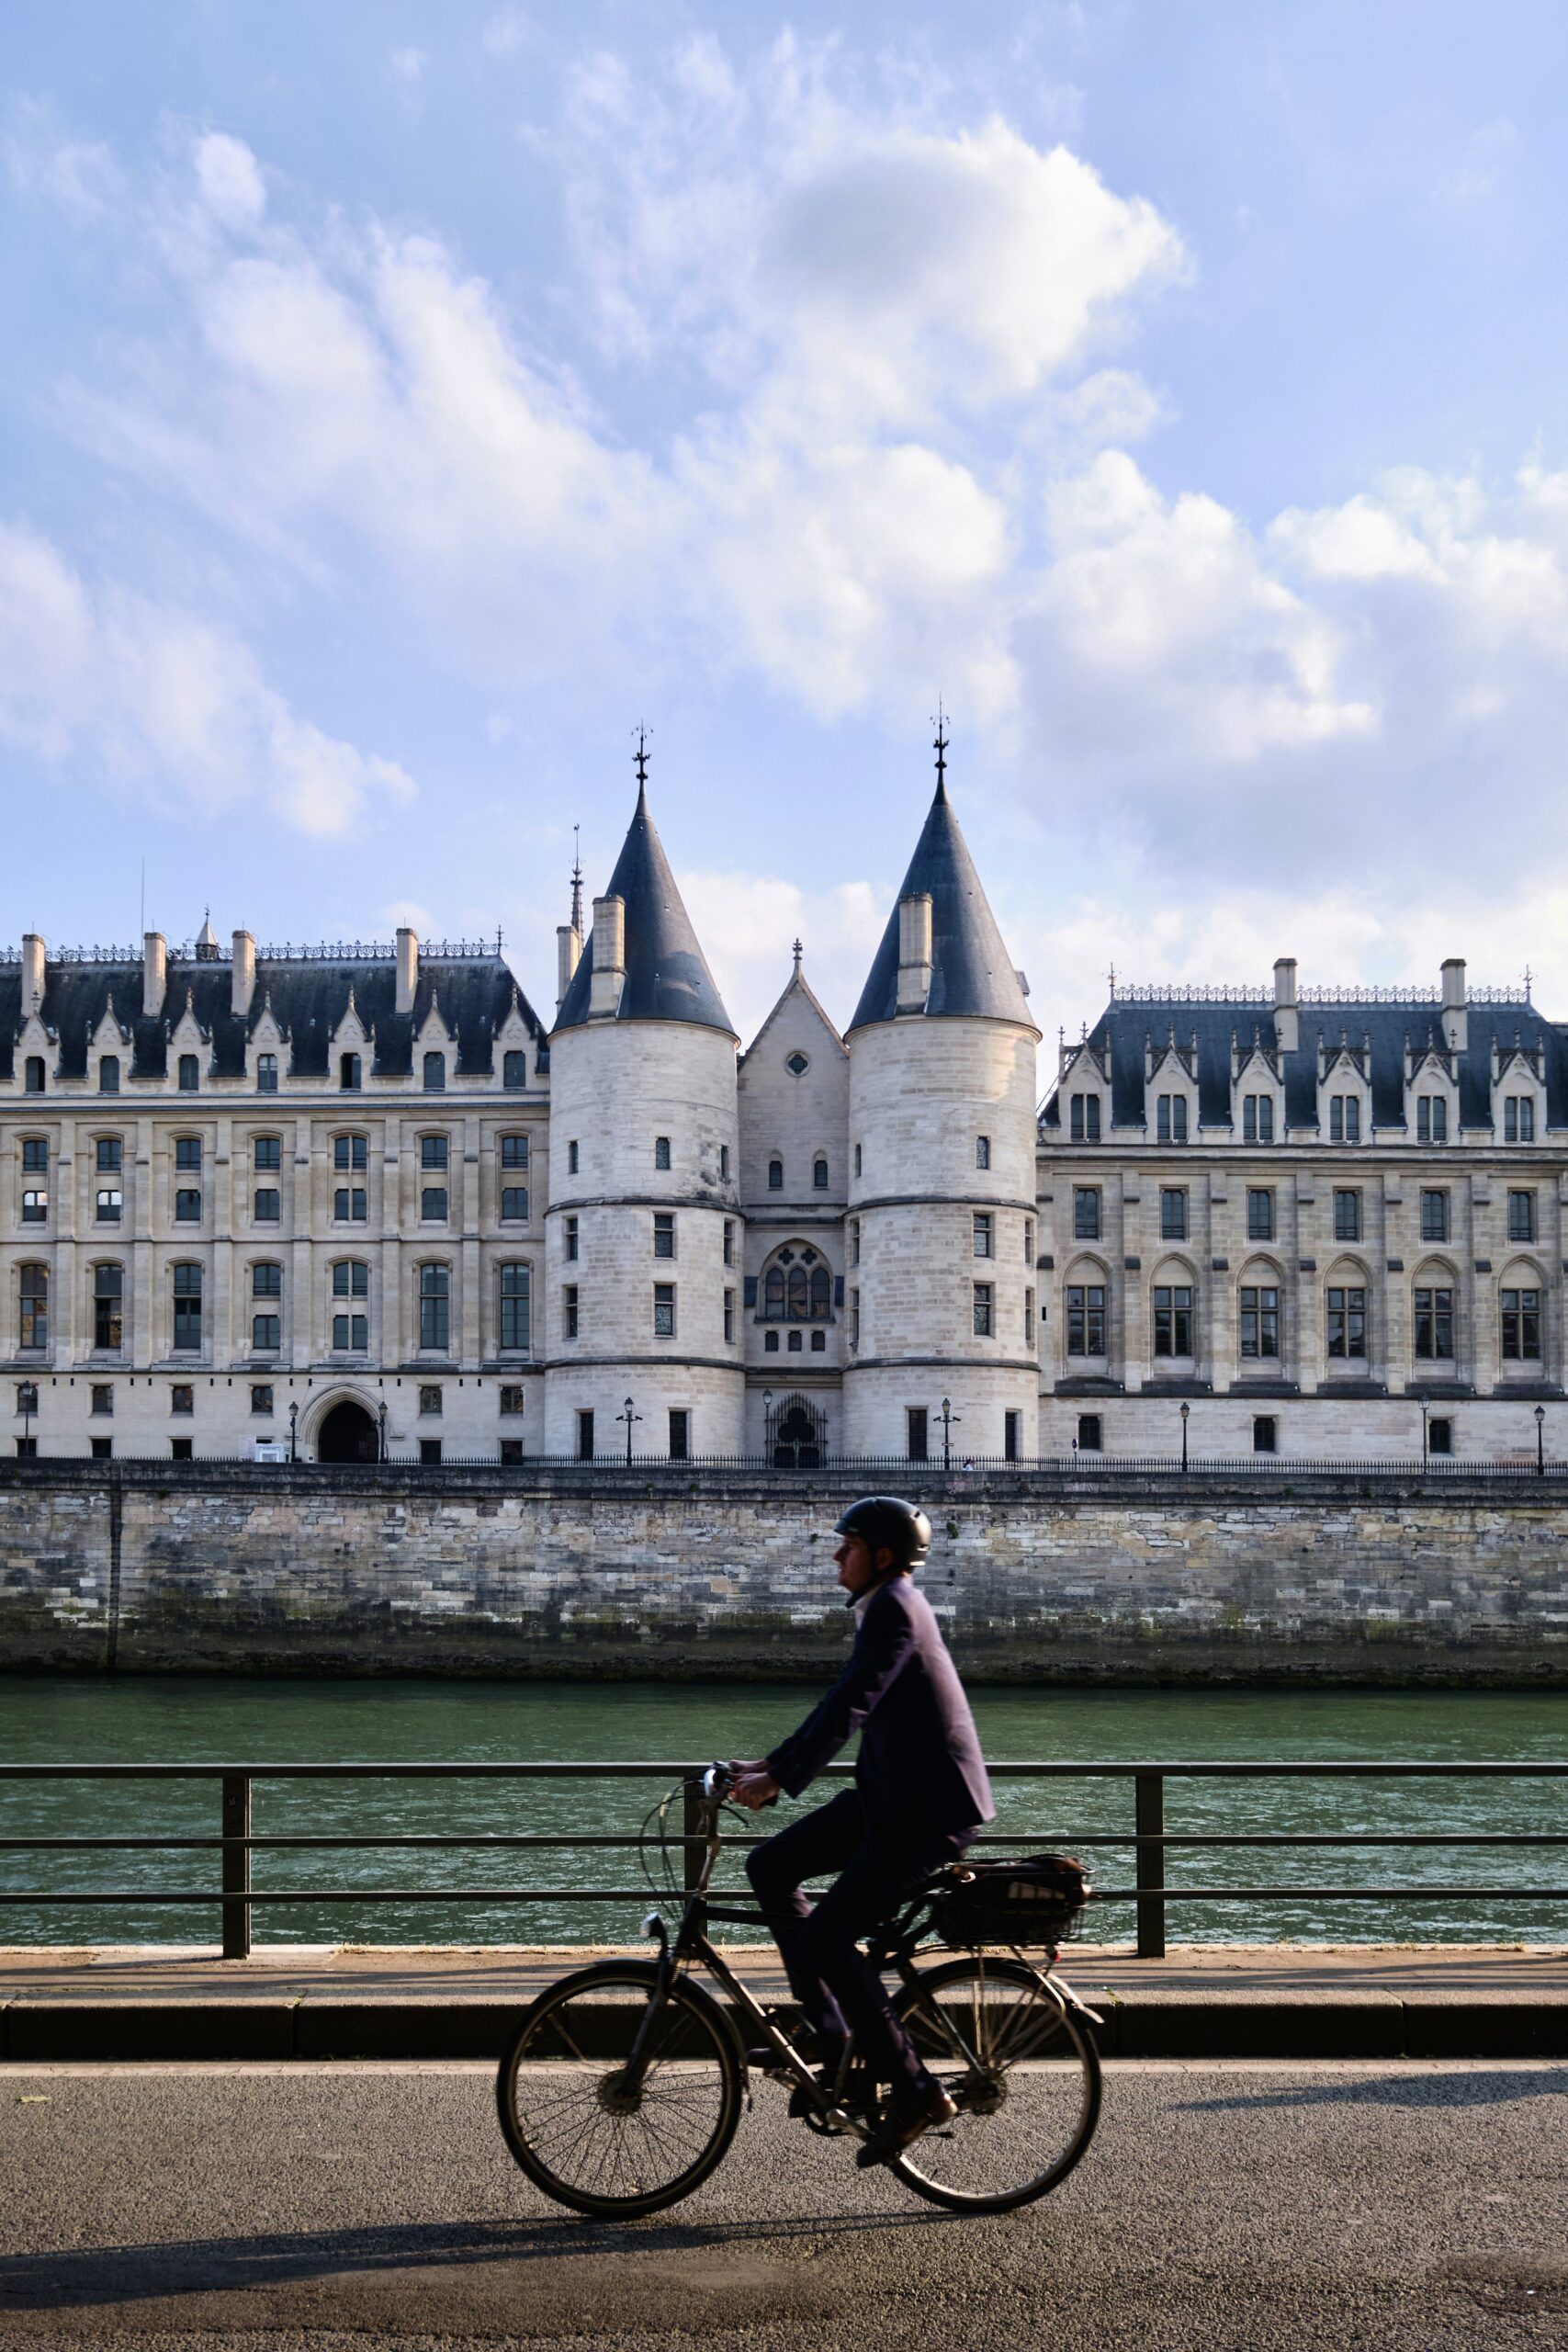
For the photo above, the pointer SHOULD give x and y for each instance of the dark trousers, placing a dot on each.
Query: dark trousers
(836, 1986)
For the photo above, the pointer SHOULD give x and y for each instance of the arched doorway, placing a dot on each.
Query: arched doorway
(347, 1434)
(797, 1437)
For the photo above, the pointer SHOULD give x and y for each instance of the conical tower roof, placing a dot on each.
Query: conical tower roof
(971, 972)
(667, 974)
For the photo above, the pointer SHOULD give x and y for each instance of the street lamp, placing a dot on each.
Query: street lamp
(950, 1421)
(1186, 1409)
(294, 1432)
(381, 1431)
(628, 1417)
(1541, 1440)
(768, 1427)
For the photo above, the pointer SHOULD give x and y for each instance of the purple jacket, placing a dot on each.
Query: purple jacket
(920, 1765)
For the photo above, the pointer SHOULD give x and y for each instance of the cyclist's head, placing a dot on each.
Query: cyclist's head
(881, 1536)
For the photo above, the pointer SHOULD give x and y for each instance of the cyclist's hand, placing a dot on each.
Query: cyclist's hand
(739, 1766)
(754, 1788)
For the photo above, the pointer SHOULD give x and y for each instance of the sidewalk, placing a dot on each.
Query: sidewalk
(347, 2001)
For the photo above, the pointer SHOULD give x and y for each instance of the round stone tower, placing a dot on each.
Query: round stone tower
(643, 1254)
(941, 1196)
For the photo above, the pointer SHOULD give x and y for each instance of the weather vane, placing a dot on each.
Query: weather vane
(939, 746)
(642, 755)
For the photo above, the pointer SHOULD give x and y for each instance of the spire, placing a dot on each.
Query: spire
(799, 952)
(577, 879)
(667, 975)
(972, 972)
(940, 748)
(207, 939)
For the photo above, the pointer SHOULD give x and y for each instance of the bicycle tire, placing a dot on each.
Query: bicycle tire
(955, 2156)
(557, 2033)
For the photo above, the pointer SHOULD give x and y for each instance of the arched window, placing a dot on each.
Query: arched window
(108, 1302)
(109, 1074)
(33, 1294)
(797, 1288)
(350, 1073)
(188, 1308)
(434, 1073)
(351, 1324)
(819, 1174)
(773, 1294)
(799, 1294)
(189, 1078)
(821, 1294)
(436, 1308)
(661, 1151)
(514, 1310)
(32, 1081)
(1520, 1307)
(775, 1175)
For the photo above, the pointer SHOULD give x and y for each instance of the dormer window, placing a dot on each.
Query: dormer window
(514, 1068)
(1086, 1119)
(434, 1073)
(350, 1073)
(1171, 1118)
(1344, 1118)
(1257, 1119)
(32, 1076)
(266, 1073)
(109, 1074)
(1518, 1118)
(1431, 1119)
(189, 1076)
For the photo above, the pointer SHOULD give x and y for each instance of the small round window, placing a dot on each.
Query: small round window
(797, 1065)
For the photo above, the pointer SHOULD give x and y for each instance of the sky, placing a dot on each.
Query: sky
(401, 405)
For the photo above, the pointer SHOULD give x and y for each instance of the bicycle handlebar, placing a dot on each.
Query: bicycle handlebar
(717, 1781)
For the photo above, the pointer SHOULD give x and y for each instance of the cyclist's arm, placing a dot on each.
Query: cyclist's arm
(886, 1640)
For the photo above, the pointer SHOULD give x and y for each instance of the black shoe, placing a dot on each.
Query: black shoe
(902, 2127)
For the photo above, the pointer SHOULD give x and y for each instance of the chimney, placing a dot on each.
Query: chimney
(32, 973)
(1286, 1032)
(154, 973)
(1456, 1017)
(408, 966)
(609, 958)
(914, 952)
(569, 953)
(244, 983)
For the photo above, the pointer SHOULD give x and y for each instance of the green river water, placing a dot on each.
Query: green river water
(179, 1720)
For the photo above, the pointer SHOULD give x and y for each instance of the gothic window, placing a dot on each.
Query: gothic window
(773, 1294)
(32, 1080)
(799, 1294)
(775, 1175)
(189, 1078)
(1173, 1320)
(436, 1308)
(982, 1151)
(350, 1073)
(661, 1152)
(1086, 1318)
(821, 1294)
(1259, 1320)
(1435, 1325)
(266, 1073)
(819, 1175)
(109, 1074)
(514, 1068)
(571, 1159)
(109, 1296)
(1521, 1326)
(434, 1073)
(515, 1297)
(186, 1291)
(1346, 1322)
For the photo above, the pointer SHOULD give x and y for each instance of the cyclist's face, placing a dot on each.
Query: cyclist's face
(855, 1568)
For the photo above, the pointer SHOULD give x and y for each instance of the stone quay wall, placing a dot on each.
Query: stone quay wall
(1110, 1578)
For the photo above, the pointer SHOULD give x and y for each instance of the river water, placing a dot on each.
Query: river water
(179, 1720)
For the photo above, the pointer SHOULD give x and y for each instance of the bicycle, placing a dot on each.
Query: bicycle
(621, 2089)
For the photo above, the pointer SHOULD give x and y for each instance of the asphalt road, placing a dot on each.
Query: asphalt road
(1421, 2206)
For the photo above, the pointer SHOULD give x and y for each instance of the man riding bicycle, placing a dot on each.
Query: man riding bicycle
(920, 1794)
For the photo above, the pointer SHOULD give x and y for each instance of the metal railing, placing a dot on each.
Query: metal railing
(837, 1468)
(1148, 1841)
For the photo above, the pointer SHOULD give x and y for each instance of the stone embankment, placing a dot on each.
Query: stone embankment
(1110, 1578)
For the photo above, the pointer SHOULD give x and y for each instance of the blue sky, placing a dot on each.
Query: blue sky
(400, 404)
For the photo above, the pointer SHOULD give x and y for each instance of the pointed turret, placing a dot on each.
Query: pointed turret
(207, 948)
(667, 978)
(971, 973)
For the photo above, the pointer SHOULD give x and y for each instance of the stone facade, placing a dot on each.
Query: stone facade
(1047, 1580)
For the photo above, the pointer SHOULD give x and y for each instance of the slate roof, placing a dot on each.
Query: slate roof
(1123, 1027)
(308, 997)
(971, 972)
(667, 974)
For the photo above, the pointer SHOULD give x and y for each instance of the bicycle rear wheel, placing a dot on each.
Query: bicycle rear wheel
(580, 2131)
(1023, 2073)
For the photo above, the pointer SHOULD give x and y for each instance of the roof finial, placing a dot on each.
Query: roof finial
(575, 879)
(1112, 977)
(940, 748)
(1528, 978)
(641, 761)
(799, 952)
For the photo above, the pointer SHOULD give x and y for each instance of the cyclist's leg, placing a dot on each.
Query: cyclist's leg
(874, 1881)
(818, 1843)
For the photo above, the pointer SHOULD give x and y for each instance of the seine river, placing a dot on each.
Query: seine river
(177, 1720)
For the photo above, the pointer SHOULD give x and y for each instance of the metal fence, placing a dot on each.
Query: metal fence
(863, 1470)
(1147, 1839)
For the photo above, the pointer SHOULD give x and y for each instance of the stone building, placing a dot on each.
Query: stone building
(1328, 1222)
(347, 1201)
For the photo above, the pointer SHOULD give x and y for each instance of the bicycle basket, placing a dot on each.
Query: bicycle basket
(1034, 1900)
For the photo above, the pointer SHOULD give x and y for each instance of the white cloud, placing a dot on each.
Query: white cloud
(408, 65)
(1482, 170)
(748, 924)
(230, 179)
(506, 32)
(164, 702)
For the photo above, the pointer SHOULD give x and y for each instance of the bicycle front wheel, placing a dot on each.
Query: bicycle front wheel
(1023, 2073)
(588, 2134)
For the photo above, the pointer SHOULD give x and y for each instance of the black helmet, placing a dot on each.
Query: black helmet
(886, 1521)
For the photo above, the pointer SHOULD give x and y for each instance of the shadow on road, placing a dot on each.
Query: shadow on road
(114, 2274)
(1471, 2089)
